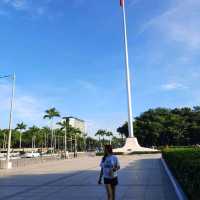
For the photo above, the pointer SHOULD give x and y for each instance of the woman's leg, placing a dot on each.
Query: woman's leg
(113, 191)
(109, 191)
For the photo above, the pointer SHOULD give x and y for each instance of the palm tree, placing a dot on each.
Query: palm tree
(34, 130)
(65, 125)
(109, 134)
(50, 114)
(84, 138)
(76, 134)
(100, 133)
(20, 126)
(45, 130)
(5, 133)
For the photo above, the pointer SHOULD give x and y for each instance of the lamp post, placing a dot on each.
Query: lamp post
(65, 140)
(13, 77)
(66, 155)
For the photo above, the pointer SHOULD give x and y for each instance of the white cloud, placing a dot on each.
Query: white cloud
(32, 8)
(180, 23)
(87, 85)
(17, 4)
(173, 86)
(27, 108)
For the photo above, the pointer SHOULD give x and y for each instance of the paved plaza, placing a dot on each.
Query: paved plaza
(141, 177)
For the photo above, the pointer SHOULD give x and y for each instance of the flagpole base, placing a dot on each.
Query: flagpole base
(132, 146)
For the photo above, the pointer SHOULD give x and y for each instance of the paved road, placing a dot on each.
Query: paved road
(142, 177)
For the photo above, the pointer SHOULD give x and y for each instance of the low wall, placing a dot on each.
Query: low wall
(82, 154)
(18, 163)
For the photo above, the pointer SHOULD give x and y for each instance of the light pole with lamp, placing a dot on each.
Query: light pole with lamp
(65, 140)
(13, 77)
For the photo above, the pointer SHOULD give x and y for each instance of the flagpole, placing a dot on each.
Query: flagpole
(128, 82)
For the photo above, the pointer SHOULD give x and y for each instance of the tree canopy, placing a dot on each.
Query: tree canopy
(161, 126)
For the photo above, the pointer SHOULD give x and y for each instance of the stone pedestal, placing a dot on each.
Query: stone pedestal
(132, 145)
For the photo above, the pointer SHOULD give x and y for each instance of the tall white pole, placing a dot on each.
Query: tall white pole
(10, 120)
(128, 82)
(65, 136)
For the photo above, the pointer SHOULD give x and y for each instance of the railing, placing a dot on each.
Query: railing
(18, 163)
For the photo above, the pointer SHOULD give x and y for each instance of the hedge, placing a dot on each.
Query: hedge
(132, 153)
(185, 166)
(144, 152)
(115, 153)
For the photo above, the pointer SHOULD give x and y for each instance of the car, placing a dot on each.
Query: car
(31, 155)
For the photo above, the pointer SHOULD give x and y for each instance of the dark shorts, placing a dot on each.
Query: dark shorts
(113, 181)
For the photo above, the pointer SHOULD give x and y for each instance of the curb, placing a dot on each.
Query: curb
(178, 190)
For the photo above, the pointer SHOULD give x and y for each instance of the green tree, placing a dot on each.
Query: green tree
(91, 143)
(21, 126)
(101, 134)
(45, 132)
(116, 142)
(67, 128)
(161, 126)
(109, 135)
(3, 138)
(34, 132)
(123, 130)
(51, 114)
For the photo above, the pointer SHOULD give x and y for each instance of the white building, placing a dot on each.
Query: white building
(77, 123)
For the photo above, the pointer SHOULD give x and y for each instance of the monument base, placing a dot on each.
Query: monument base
(131, 146)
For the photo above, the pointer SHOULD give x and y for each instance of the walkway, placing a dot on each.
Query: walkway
(142, 177)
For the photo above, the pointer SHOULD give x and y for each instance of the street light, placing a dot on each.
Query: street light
(13, 77)
(66, 121)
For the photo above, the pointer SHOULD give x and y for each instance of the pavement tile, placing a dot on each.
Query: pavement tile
(141, 177)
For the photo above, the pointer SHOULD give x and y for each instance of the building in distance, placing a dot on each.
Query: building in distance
(77, 123)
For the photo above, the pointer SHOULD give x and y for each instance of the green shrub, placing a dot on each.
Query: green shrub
(185, 165)
(143, 152)
(132, 153)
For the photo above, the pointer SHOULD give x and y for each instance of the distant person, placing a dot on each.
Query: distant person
(109, 167)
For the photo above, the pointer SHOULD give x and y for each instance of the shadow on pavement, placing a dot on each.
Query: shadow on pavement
(142, 179)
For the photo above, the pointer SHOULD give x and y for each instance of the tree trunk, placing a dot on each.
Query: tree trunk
(32, 143)
(52, 149)
(71, 144)
(20, 140)
(4, 141)
(45, 140)
(55, 141)
(58, 143)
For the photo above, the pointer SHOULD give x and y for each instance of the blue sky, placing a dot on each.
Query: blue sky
(69, 54)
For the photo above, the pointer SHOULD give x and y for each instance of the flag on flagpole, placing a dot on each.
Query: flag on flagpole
(121, 3)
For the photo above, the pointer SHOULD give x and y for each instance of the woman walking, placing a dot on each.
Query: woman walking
(109, 167)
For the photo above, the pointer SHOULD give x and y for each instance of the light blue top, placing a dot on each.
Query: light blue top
(107, 165)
